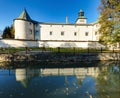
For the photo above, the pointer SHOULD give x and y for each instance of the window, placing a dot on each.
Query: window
(36, 31)
(62, 33)
(36, 25)
(95, 33)
(50, 32)
(75, 33)
(86, 33)
(30, 31)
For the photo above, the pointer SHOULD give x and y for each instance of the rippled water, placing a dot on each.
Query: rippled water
(52, 80)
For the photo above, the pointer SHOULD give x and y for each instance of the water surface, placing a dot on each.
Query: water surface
(52, 80)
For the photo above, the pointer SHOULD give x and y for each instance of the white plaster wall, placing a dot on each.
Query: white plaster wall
(23, 29)
(69, 31)
(20, 29)
(96, 27)
(17, 43)
(81, 21)
(85, 29)
(20, 43)
(56, 32)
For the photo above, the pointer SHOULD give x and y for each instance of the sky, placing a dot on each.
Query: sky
(51, 11)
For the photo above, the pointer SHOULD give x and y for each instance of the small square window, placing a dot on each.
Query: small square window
(95, 33)
(36, 31)
(86, 33)
(50, 32)
(62, 33)
(75, 33)
(30, 31)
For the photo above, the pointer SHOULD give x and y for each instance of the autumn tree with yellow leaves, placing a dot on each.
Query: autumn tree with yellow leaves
(109, 21)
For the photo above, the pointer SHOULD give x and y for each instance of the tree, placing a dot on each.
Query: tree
(12, 31)
(109, 21)
(8, 32)
(108, 81)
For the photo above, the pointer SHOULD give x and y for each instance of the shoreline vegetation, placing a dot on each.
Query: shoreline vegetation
(58, 54)
(10, 50)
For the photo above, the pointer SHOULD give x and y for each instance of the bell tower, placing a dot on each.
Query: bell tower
(81, 18)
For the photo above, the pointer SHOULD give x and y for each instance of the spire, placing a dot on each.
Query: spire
(81, 14)
(24, 15)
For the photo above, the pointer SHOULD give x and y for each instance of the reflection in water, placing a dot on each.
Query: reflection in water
(81, 82)
(24, 75)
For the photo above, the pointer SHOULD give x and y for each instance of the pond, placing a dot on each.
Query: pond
(60, 80)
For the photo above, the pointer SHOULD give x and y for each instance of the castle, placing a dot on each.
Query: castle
(32, 33)
(28, 29)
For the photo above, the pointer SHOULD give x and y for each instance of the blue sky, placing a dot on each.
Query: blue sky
(47, 10)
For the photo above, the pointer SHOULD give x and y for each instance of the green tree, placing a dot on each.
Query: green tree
(12, 31)
(8, 32)
(109, 21)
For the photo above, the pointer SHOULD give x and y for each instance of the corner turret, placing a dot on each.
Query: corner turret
(24, 26)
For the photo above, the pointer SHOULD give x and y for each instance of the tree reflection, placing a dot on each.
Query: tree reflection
(108, 81)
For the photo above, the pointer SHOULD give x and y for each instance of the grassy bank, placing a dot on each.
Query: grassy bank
(59, 49)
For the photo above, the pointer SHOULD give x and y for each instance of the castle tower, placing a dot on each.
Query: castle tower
(81, 18)
(24, 26)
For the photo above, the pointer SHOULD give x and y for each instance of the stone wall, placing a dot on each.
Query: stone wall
(60, 57)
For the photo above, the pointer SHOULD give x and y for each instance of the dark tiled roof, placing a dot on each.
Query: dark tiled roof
(24, 15)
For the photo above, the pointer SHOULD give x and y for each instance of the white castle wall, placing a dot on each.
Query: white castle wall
(81, 21)
(41, 43)
(24, 29)
(69, 32)
(96, 33)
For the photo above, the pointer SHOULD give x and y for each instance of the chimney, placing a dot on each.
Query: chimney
(66, 19)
